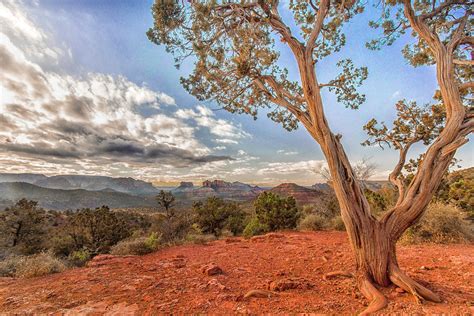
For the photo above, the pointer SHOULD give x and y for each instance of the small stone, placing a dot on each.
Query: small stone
(290, 283)
(258, 294)
(399, 290)
(215, 282)
(211, 269)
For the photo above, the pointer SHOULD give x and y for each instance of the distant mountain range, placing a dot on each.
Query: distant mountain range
(90, 183)
(220, 188)
(57, 199)
(302, 195)
(81, 191)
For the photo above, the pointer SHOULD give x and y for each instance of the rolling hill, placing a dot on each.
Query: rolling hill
(57, 199)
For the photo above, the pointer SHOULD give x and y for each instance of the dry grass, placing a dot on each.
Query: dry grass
(31, 266)
(441, 223)
(138, 246)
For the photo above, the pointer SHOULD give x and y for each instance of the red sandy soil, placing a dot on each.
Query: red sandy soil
(172, 281)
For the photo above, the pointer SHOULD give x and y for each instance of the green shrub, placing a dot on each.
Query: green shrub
(96, 230)
(378, 203)
(215, 215)
(276, 212)
(441, 223)
(23, 228)
(79, 257)
(138, 246)
(172, 229)
(31, 266)
(313, 222)
(62, 245)
(254, 227)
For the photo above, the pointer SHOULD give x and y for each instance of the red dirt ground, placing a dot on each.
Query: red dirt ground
(171, 280)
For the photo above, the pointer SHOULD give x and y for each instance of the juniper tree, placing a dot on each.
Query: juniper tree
(166, 200)
(236, 64)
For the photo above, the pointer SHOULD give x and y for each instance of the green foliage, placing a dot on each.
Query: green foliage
(236, 60)
(22, 227)
(378, 203)
(442, 20)
(79, 257)
(313, 222)
(254, 227)
(31, 266)
(196, 236)
(166, 200)
(174, 228)
(215, 214)
(327, 217)
(457, 188)
(413, 124)
(276, 212)
(96, 230)
(441, 223)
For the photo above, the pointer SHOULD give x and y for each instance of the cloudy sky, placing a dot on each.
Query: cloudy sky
(84, 92)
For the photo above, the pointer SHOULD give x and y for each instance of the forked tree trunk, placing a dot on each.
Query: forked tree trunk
(373, 241)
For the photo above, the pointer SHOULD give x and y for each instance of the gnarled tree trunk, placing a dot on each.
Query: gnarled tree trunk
(373, 241)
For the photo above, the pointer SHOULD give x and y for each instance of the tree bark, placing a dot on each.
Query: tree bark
(374, 241)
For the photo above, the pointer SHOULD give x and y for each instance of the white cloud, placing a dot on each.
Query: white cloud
(55, 117)
(227, 132)
(287, 153)
(286, 168)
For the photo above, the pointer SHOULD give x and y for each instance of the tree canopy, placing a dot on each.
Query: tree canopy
(237, 62)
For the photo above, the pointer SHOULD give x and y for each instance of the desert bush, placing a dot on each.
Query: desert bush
(23, 228)
(200, 239)
(441, 223)
(254, 227)
(457, 188)
(313, 222)
(215, 215)
(79, 257)
(138, 246)
(96, 230)
(276, 212)
(336, 223)
(31, 266)
(62, 244)
(172, 229)
(378, 203)
(166, 200)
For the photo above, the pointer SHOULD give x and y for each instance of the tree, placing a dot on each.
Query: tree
(215, 214)
(96, 230)
(236, 65)
(166, 200)
(23, 227)
(275, 212)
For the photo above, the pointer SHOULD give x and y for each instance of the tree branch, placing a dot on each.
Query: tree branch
(318, 24)
(279, 98)
(466, 85)
(464, 62)
(394, 176)
(440, 9)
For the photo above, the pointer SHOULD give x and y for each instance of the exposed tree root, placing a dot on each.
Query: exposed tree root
(335, 274)
(411, 286)
(377, 300)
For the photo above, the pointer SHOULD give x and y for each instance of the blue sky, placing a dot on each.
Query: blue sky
(104, 43)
